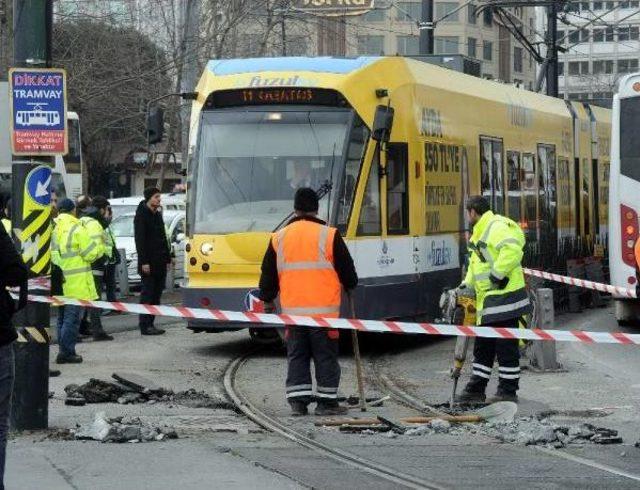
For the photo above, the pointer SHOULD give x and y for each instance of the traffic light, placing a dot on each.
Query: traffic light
(155, 125)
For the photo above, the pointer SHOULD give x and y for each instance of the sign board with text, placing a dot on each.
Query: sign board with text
(38, 107)
(333, 8)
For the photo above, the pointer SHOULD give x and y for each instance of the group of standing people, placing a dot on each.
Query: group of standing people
(82, 250)
(84, 257)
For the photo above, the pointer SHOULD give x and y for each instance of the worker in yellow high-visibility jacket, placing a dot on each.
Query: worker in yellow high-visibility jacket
(73, 250)
(95, 223)
(495, 273)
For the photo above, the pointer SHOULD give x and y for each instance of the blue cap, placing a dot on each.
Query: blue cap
(66, 205)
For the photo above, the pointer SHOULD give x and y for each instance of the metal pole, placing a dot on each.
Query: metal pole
(552, 50)
(358, 359)
(31, 223)
(189, 69)
(29, 410)
(426, 31)
(283, 29)
(122, 274)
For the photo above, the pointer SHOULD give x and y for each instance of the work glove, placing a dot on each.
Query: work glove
(499, 283)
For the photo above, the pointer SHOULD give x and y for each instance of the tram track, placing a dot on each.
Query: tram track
(402, 396)
(272, 424)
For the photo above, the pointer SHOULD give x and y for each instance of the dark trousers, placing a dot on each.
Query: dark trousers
(7, 374)
(485, 351)
(95, 314)
(152, 287)
(110, 282)
(304, 344)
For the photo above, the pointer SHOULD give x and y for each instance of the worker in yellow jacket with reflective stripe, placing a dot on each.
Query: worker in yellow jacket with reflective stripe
(495, 274)
(73, 250)
(95, 223)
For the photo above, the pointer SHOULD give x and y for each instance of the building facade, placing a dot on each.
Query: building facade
(459, 30)
(601, 42)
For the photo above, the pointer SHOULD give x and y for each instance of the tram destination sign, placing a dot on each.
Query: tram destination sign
(331, 8)
(38, 103)
(275, 96)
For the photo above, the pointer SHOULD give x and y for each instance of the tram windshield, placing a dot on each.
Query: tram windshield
(250, 164)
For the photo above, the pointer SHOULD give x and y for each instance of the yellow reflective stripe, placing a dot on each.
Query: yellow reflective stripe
(507, 240)
(79, 270)
(70, 236)
(311, 310)
(88, 250)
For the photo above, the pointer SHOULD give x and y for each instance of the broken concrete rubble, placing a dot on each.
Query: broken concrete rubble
(99, 391)
(123, 429)
(525, 431)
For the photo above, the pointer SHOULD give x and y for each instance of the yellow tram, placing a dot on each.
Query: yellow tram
(263, 127)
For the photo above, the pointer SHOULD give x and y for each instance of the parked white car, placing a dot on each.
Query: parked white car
(123, 232)
(124, 205)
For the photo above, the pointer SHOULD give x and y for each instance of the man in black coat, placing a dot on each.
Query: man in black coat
(13, 273)
(154, 255)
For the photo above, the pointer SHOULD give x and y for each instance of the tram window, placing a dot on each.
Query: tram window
(492, 184)
(547, 192)
(355, 155)
(397, 203)
(370, 222)
(513, 185)
(530, 215)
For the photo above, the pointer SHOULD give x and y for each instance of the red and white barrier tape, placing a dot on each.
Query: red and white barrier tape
(267, 319)
(42, 282)
(582, 283)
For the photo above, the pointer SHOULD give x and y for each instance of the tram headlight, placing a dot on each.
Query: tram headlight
(206, 248)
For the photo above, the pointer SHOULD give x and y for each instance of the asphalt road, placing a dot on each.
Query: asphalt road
(219, 448)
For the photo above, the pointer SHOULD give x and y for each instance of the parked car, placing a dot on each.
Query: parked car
(124, 205)
(125, 239)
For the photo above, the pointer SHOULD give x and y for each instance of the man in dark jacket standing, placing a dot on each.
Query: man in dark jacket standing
(13, 273)
(154, 255)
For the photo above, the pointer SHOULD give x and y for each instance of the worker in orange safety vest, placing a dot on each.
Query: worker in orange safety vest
(307, 263)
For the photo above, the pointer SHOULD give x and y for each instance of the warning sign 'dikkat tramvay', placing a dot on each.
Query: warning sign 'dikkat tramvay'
(38, 111)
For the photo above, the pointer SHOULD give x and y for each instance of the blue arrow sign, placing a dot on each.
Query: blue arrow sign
(38, 185)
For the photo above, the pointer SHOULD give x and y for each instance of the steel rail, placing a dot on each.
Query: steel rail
(270, 423)
(410, 401)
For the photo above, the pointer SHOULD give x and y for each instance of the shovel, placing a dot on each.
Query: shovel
(496, 412)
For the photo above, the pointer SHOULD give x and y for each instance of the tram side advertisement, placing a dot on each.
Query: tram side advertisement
(38, 103)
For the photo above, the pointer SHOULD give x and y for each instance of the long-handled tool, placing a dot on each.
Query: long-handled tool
(458, 308)
(358, 359)
(459, 356)
(496, 412)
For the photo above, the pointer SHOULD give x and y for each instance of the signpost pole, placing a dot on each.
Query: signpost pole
(38, 133)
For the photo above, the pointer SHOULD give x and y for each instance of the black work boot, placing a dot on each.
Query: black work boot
(151, 331)
(330, 409)
(503, 396)
(85, 329)
(102, 336)
(298, 408)
(68, 359)
(470, 395)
